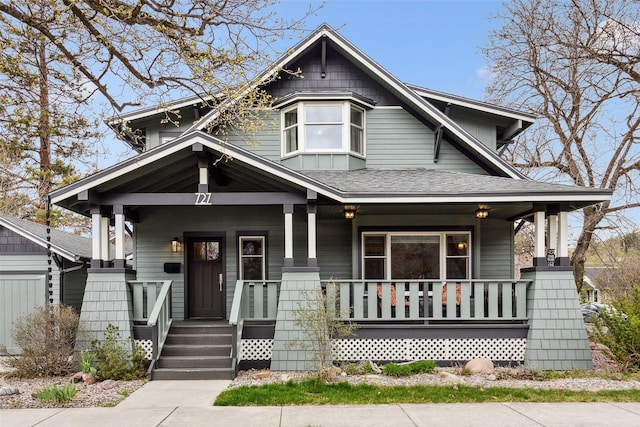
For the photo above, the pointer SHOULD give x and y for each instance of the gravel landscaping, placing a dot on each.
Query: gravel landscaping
(109, 393)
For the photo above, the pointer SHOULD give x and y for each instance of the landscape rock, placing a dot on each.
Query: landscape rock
(107, 384)
(263, 374)
(450, 378)
(8, 391)
(480, 366)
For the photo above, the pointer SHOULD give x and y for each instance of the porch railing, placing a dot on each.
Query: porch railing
(152, 306)
(252, 301)
(457, 300)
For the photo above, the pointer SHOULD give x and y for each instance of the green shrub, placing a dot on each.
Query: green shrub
(47, 337)
(51, 394)
(405, 370)
(619, 331)
(86, 363)
(114, 360)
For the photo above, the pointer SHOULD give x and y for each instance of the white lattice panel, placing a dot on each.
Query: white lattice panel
(147, 348)
(256, 349)
(406, 349)
(430, 349)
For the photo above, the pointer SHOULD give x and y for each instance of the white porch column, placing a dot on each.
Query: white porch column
(288, 235)
(119, 231)
(96, 236)
(104, 238)
(312, 259)
(539, 255)
(562, 252)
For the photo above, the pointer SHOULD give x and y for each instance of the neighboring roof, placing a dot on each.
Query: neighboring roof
(401, 90)
(360, 186)
(68, 245)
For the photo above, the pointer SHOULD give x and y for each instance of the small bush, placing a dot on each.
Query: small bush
(405, 370)
(361, 368)
(46, 337)
(113, 359)
(55, 394)
(619, 331)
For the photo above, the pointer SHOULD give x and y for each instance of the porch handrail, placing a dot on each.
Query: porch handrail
(160, 318)
(252, 300)
(153, 308)
(427, 300)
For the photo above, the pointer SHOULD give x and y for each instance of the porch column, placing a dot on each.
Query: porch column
(288, 235)
(557, 338)
(96, 235)
(539, 255)
(104, 239)
(119, 230)
(312, 209)
(562, 253)
(552, 234)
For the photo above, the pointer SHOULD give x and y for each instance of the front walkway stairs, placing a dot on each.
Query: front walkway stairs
(196, 350)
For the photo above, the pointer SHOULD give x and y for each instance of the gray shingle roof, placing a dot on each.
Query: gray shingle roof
(69, 245)
(425, 182)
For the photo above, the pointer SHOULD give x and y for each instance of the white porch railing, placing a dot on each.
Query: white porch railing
(252, 300)
(459, 300)
(152, 305)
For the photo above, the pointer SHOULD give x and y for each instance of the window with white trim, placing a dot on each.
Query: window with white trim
(319, 127)
(251, 258)
(416, 255)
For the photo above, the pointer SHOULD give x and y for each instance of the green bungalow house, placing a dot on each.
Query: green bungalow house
(386, 190)
(24, 265)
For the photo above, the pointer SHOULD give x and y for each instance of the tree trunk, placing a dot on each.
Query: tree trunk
(592, 217)
(44, 126)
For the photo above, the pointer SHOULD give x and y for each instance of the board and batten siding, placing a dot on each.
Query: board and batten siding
(481, 129)
(20, 294)
(30, 264)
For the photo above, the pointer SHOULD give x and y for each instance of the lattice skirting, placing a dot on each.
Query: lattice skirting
(497, 349)
(147, 347)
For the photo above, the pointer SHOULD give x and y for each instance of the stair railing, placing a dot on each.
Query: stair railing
(160, 320)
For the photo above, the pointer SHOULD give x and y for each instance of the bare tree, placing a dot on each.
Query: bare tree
(574, 64)
(58, 56)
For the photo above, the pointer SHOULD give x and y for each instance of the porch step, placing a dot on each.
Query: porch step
(193, 374)
(196, 350)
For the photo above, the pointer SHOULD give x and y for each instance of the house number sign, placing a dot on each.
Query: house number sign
(203, 199)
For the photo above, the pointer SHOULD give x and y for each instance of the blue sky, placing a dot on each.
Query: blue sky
(431, 43)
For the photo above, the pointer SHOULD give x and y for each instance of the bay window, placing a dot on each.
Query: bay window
(323, 127)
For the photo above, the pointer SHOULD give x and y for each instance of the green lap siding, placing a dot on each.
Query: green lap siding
(19, 296)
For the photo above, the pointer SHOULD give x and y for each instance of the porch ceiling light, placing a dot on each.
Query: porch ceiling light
(350, 211)
(175, 244)
(482, 213)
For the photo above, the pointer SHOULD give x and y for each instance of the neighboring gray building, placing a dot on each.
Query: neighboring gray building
(23, 271)
(390, 191)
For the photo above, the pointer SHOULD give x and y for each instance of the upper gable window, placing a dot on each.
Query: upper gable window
(323, 127)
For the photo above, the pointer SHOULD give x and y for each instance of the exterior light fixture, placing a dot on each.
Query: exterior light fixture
(551, 257)
(175, 244)
(482, 213)
(350, 212)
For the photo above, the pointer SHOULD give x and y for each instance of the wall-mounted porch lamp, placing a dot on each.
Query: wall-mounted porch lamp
(175, 244)
(349, 212)
(482, 213)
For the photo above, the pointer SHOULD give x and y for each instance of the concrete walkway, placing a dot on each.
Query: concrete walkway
(189, 403)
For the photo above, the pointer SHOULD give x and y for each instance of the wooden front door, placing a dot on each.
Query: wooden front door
(205, 276)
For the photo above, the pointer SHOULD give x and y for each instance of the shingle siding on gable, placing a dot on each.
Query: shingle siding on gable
(12, 243)
(341, 75)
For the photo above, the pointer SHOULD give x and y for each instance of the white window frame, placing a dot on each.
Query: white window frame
(242, 256)
(301, 129)
(443, 250)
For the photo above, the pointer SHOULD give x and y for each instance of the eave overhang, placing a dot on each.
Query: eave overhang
(528, 192)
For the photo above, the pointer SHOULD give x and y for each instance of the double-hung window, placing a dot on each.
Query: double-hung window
(323, 127)
(252, 262)
(416, 255)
